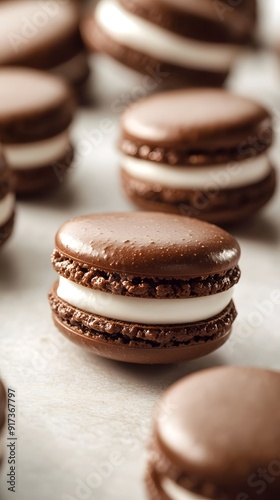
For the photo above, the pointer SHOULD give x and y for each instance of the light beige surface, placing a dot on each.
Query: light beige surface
(83, 421)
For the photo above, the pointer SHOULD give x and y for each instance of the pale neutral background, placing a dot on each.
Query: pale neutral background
(83, 421)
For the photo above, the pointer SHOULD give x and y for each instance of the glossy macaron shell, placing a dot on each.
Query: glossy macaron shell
(42, 108)
(220, 426)
(148, 244)
(197, 120)
(39, 35)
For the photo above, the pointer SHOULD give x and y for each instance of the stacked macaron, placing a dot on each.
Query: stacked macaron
(2, 417)
(144, 287)
(217, 436)
(182, 40)
(36, 110)
(7, 200)
(44, 35)
(203, 153)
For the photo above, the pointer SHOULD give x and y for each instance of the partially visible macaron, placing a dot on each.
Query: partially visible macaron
(216, 436)
(44, 35)
(199, 152)
(36, 111)
(7, 200)
(144, 287)
(183, 41)
(2, 418)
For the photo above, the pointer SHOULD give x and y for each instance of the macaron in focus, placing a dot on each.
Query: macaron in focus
(36, 111)
(216, 435)
(7, 200)
(198, 152)
(185, 42)
(44, 35)
(144, 287)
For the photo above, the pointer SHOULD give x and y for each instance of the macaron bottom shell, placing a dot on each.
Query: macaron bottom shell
(218, 207)
(91, 332)
(38, 180)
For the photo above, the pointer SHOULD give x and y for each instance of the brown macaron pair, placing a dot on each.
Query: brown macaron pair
(36, 111)
(199, 152)
(144, 287)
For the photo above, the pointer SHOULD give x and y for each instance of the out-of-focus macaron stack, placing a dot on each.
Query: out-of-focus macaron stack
(44, 35)
(216, 436)
(36, 111)
(185, 41)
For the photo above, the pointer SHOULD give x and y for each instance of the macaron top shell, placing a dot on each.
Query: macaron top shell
(27, 28)
(33, 105)
(195, 120)
(220, 426)
(148, 244)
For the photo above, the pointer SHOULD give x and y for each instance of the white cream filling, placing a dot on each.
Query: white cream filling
(176, 492)
(157, 42)
(35, 154)
(225, 176)
(7, 206)
(74, 69)
(145, 311)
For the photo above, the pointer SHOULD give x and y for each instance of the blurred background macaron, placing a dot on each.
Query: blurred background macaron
(216, 435)
(7, 200)
(145, 288)
(44, 35)
(198, 152)
(36, 111)
(186, 41)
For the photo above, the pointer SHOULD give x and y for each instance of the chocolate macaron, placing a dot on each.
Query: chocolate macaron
(36, 110)
(144, 287)
(199, 152)
(217, 436)
(7, 200)
(182, 40)
(44, 35)
(2, 418)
